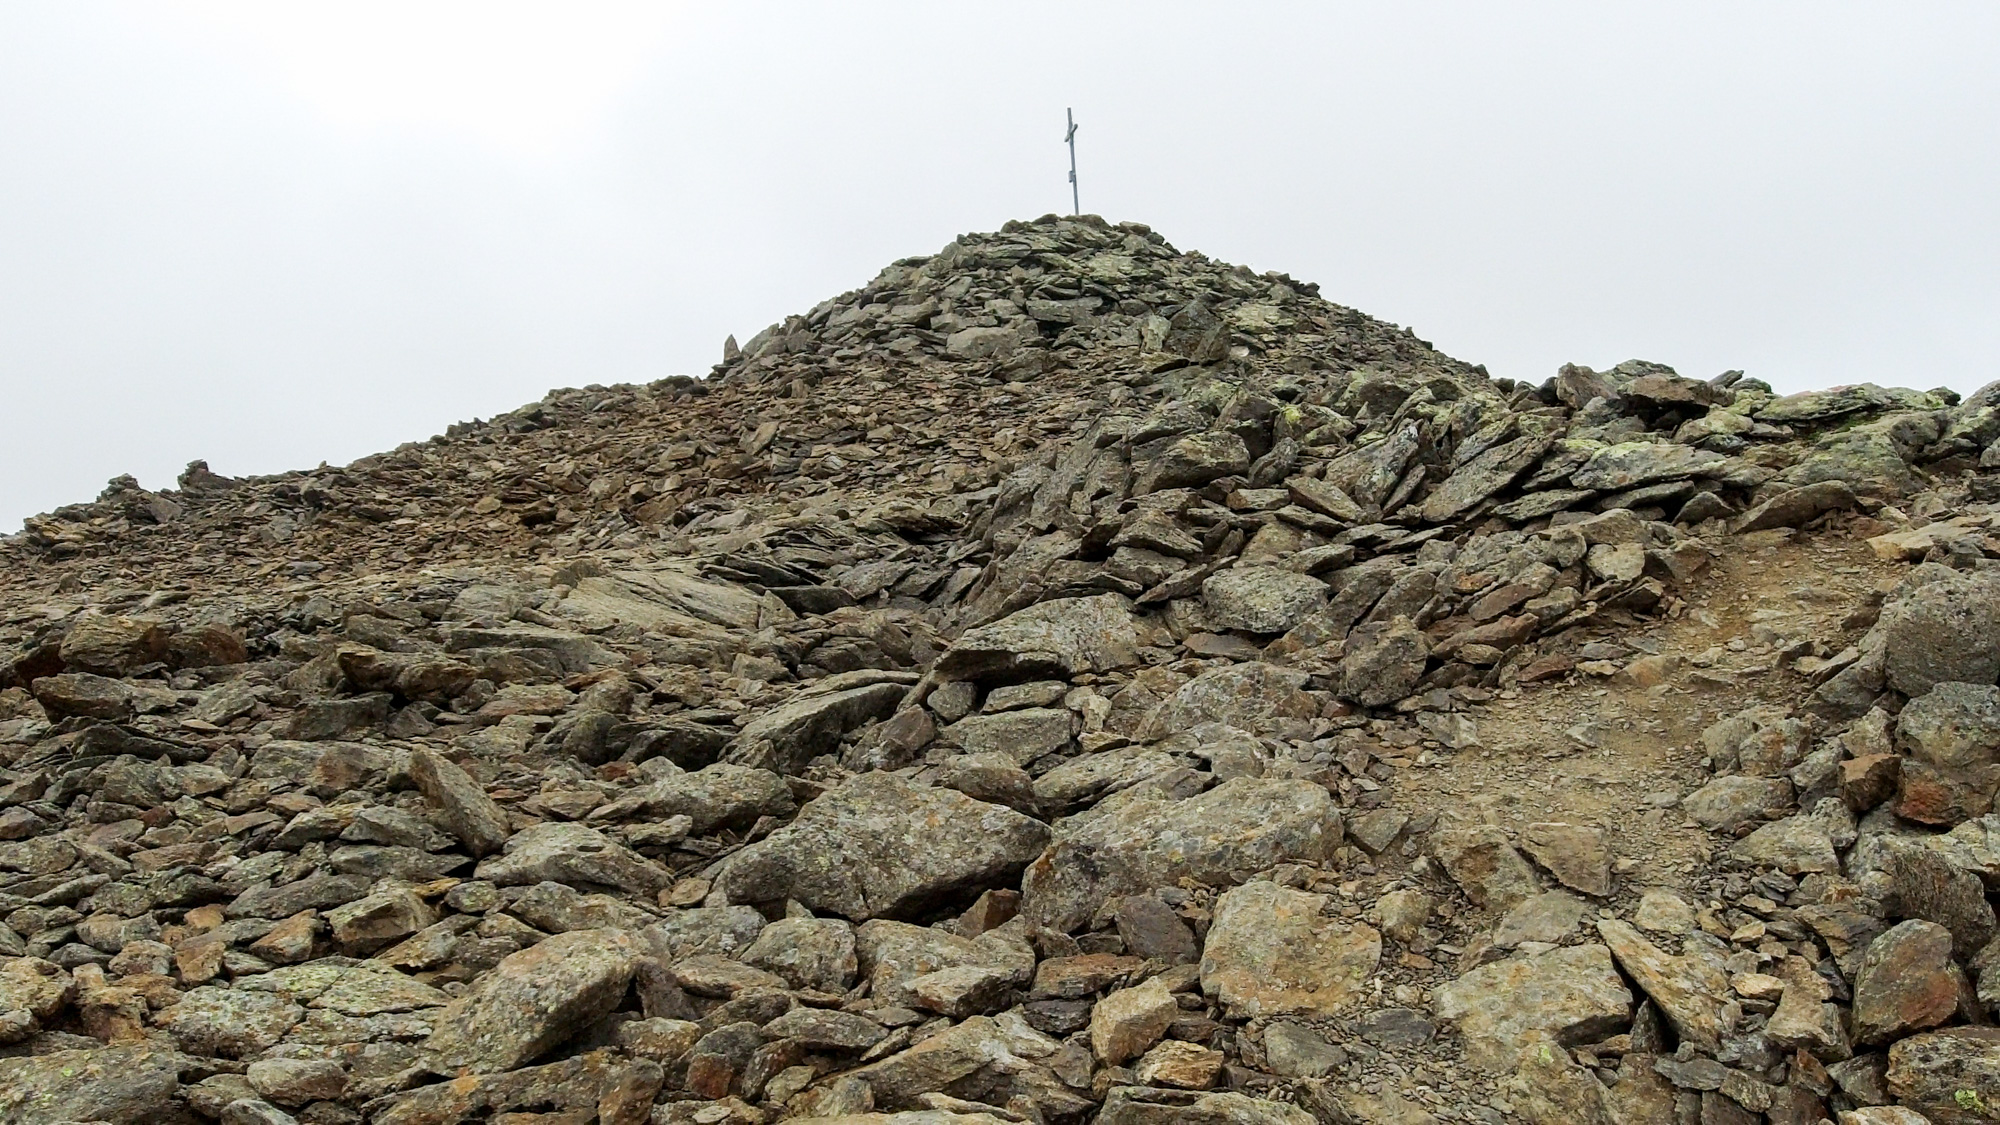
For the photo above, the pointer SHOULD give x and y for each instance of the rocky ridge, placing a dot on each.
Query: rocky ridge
(1066, 679)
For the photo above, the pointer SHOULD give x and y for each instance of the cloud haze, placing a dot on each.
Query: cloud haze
(274, 235)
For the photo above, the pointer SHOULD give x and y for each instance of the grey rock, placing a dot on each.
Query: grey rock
(1089, 777)
(722, 795)
(1247, 696)
(785, 738)
(1481, 860)
(1383, 661)
(127, 1085)
(1631, 464)
(1953, 726)
(1797, 506)
(469, 814)
(893, 955)
(1687, 989)
(1486, 473)
(1579, 856)
(821, 1030)
(1261, 599)
(318, 891)
(1906, 983)
(228, 1022)
(1219, 837)
(720, 931)
(1940, 629)
(572, 853)
(1055, 638)
(1548, 918)
(1296, 1051)
(1729, 803)
(882, 846)
(1151, 929)
(557, 908)
(533, 1000)
(814, 953)
(1192, 461)
(1950, 1076)
(1024, 735)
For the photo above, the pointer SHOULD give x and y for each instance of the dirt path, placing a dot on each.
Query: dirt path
(1608, 748)
(1619, 751)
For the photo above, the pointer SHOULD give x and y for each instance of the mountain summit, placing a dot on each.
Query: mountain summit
(1064, 679)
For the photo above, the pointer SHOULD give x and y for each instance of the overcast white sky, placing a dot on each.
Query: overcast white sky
(271, 234)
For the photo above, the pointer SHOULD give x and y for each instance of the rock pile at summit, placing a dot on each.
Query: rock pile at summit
(1018, 691)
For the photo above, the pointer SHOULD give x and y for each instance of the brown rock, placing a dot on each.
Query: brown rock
(1130, 1020)
(1274, 951)
(1906, 983)
(1578, 856)
(1869, 780)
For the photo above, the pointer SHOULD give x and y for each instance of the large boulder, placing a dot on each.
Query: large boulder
(132, 1085)
(533, 1000)
(1952, 1076)
(812, 722)
(1220, 837)
(230, 1023)
(113, 646)
(1249, 696)
(721, 795)
(1275, 951)
(1260, 599)
(1059, 638)
(1954, 726)
(1631, 464)
(1907, 982)
(1943, 627)
(561, 852)
(1570, 995)
(881, 846)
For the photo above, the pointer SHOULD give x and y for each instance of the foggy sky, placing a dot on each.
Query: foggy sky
(272, 244)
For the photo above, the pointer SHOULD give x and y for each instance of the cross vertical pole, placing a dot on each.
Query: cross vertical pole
(1075, 207)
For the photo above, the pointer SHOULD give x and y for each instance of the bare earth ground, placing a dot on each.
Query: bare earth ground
(1615, 751)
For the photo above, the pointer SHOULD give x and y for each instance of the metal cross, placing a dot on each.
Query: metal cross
(1075, 208)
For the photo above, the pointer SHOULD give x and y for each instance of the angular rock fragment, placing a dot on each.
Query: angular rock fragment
(469, 813)
(1220, 837)
(1906, 983)
(533, 1000)
(784, 739)
(1055, 638)
(1273, 951)
(131, 1085)
(1688, 990)
(575, 854)
(1568, 996)
(883, 847)
(1261, 599)
(1247, 696)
